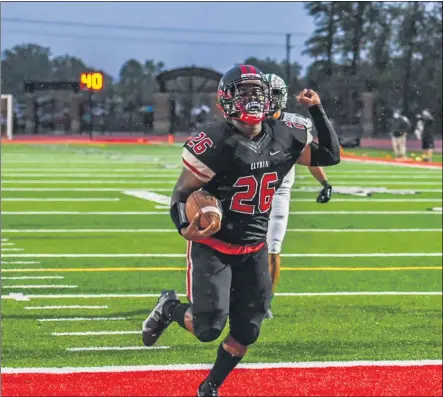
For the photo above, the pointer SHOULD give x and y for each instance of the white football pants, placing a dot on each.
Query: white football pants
(278, 220)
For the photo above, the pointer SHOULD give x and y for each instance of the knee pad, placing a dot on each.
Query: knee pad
(247, 335)
(208, 327)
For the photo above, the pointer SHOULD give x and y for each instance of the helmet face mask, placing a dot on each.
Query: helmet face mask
(244, 96)
(279, 89)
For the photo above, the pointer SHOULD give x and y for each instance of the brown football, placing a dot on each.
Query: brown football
(205, 204)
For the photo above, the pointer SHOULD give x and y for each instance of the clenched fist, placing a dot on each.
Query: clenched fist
(308, 98)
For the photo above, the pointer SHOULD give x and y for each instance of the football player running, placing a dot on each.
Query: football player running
(278, 219)
(241, 161)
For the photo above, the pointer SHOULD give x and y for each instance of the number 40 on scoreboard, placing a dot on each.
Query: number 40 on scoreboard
(92, 81)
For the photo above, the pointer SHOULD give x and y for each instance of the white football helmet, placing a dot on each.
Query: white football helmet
(279, 91)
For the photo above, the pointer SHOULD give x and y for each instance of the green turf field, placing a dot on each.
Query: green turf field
(90, 258)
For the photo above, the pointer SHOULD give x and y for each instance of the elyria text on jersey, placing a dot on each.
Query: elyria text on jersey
(242, 161)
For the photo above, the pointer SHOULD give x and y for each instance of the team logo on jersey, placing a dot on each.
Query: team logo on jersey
(293, 124)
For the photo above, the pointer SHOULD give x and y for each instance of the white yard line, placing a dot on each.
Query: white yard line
(38, 286)
(173, 181)
(61, 319)
(64, 307)
(388, 164)
(150, 196)
(167, 213)
(114, 348)
(34, 278)
(12, 249)
(144, 255)
(95, 333)
(159, 189)
(94, 296)
(19, 263)
(85, 182)
(38, 199)
(4, 239)
(374, 200)
(413, 230)
(190, 367)
(7, 244)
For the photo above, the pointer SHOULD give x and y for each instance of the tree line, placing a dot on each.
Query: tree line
(393, 49)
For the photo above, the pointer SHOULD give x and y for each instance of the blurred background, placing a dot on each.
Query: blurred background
(162, 62)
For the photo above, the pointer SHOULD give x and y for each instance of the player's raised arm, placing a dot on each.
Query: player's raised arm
(327, 151)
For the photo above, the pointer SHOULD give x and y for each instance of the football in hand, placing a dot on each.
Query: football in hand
(205, 204)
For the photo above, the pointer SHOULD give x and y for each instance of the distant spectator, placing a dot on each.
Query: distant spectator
(424, 131)
(399, 131)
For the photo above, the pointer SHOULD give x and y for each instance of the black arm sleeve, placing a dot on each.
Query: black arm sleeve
(327, 151)
(178, 216)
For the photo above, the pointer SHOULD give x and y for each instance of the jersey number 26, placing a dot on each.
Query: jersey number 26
(246, 200)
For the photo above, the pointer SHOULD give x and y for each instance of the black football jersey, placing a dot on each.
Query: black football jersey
(244, 173)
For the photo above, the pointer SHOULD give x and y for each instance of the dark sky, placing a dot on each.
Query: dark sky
(98, 48)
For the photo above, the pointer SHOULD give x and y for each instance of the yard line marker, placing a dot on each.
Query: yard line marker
(38, 286)
(94, 296)
(144, 255)
(19, 263)
(183, 268)
(6, 244)
(111, 348)
(32, 277)
(12, 249)
(57, 199)
(189, 367)
(5, 239)
(167, 213)
(310, 230)
(82, 319)
(95, 333)
(88, 175)
(64, 307)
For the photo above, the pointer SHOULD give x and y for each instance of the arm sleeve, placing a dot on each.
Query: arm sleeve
(204, 156)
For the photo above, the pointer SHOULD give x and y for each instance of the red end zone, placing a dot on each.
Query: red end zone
(414, 380)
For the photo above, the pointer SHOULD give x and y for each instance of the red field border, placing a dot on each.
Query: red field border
(358, 378)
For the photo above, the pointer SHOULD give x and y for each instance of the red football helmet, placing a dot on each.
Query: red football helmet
(244, 94)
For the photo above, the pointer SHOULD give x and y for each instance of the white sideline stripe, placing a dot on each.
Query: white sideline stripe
(12, 249)
(142, 255)
(111, 348)
(167, 213)
(34, 278)
(188, 367)
(372, 200)
(175, 231)
(95, 333)
(58, 199)
(386, 163)
(150, 196)
(19, 263)
(64, 307)
(82, 319)
(94, 296)
(6, 244)
(38, 286)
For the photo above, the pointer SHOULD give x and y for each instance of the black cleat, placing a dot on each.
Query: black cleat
(157, 321)
(207, 389)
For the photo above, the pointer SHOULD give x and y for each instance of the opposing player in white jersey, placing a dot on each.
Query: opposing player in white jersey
(278, 220)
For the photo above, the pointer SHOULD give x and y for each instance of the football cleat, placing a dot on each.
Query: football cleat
(207, 389)
(157, 321)
(269, 314)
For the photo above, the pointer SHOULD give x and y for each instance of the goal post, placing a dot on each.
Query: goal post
(7, 116)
